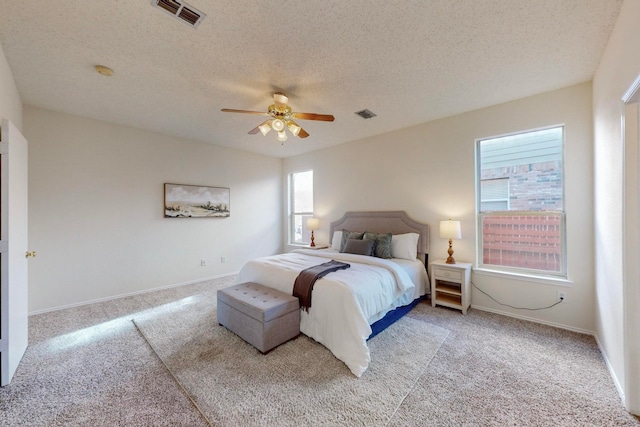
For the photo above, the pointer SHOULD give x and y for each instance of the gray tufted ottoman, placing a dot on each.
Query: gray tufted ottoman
(262, 316)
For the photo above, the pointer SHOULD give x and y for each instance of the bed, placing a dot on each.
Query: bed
(350, 306)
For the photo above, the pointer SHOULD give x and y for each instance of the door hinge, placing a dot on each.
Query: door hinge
(3, 148)
(4, 246)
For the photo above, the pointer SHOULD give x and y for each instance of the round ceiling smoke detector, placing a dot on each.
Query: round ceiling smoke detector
(105, 71)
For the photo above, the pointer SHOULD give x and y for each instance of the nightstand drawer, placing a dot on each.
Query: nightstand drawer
(447, 274)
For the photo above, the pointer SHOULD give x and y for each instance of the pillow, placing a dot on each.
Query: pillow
(359, 247)
(346, 235)
(337, 240)
(405, 246)
(382, 248)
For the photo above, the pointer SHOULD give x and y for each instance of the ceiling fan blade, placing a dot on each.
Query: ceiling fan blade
(303, 133)
(313, 116)
(230, 110)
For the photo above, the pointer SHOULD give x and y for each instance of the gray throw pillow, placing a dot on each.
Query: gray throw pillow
(359, 247)
(346, 235)
(382, 247)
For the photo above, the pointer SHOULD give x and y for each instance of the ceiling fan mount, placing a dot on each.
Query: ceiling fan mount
(281, 117)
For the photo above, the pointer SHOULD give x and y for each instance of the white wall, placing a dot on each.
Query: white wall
(10, 103)
(96, 209)
(429, 172)
(619, 67)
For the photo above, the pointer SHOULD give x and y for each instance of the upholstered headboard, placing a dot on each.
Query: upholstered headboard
(396, 222)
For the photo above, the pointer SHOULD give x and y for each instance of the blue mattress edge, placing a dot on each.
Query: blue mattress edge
(393, 316)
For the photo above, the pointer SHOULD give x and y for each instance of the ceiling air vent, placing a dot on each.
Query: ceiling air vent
(366, 114)
(181, 11)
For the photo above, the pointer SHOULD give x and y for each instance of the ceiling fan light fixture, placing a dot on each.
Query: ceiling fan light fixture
(277, 125)
(279, 117)
(265, 128)
(293, 127)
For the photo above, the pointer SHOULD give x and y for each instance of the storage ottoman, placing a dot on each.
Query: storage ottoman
(262, 316)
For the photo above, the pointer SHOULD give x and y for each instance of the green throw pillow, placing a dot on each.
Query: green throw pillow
(383, 244)
(346, 235)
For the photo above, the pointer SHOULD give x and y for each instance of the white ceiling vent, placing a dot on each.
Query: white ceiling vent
(181, 11)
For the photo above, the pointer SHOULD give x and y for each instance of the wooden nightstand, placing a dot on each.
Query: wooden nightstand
(450, 285)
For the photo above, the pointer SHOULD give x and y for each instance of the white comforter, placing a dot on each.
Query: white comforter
(343, 303)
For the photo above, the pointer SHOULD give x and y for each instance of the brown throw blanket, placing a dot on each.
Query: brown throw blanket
(307, 278)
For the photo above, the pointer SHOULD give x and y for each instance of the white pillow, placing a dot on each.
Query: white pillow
(337, 240)
(405, 246)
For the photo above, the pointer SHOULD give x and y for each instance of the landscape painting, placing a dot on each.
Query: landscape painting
(196, 201)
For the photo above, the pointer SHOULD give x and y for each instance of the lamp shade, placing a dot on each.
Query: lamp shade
(450, 230)
(277, 125)
(313, 223)
(293, 128)
(265, 128)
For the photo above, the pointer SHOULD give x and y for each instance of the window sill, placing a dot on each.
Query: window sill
(543, 280)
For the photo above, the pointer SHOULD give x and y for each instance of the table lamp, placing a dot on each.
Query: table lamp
(313, 224)
(450, 230)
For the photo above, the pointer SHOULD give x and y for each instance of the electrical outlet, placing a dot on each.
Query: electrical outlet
(223, 259)
(562, 296)
(203, 263)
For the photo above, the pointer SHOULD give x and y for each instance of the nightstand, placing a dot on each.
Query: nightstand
(450, 285)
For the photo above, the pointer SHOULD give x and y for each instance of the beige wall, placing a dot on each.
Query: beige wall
(96, 210)
(428, 171)
(10, 103)
(619, 67)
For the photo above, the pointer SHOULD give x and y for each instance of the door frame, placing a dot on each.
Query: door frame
(631, 245)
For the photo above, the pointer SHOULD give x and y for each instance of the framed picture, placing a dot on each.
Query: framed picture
(196, 201)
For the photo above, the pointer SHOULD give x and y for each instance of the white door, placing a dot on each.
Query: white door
(13, 249)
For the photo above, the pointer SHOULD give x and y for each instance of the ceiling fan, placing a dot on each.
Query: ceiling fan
(281, 117)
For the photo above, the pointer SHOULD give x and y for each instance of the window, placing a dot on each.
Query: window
(520, 202)
(495, 194)
(300, 206)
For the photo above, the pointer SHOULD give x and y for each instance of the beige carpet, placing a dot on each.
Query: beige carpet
(89, 366)
(298, 383)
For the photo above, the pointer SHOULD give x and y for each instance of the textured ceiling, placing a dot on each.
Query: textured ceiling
(407, 61)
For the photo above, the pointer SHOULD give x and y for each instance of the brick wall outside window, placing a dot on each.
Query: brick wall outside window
(535, 186)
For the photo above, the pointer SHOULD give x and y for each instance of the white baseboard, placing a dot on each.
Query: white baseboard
(531, 319)
(611, 371)
(145, 291)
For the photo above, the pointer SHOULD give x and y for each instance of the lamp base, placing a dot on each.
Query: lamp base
(450, 259)
(313, 244)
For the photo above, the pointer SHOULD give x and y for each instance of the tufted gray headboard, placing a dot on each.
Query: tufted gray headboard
(396, 222)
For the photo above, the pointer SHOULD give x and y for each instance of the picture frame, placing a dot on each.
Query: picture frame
(196, 201)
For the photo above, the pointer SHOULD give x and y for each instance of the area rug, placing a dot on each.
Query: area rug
(298, 383)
